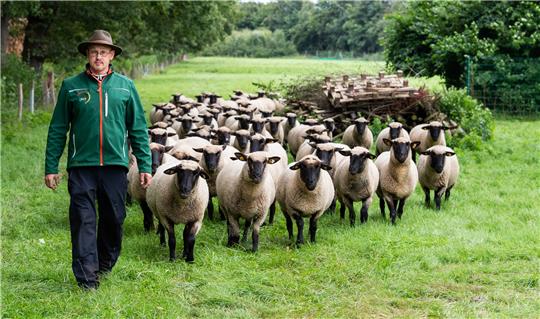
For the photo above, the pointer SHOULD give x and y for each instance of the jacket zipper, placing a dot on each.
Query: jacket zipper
(74, 147)
(106, 103)
(124, 145)
(100, 124)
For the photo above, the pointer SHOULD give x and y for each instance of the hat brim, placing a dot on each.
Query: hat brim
(84, 45)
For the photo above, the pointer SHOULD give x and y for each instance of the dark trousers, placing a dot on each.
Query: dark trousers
(96, 251)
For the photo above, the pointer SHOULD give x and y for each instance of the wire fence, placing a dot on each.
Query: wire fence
(509, 86)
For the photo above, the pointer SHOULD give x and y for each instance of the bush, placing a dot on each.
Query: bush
(476, 121)
(14, 71)
(260, 43)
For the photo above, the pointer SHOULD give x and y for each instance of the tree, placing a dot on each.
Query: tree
(433, 37)
(54, 28)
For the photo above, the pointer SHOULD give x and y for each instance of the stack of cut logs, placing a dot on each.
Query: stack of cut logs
(387, 97)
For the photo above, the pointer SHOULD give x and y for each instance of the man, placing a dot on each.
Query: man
(101, 110)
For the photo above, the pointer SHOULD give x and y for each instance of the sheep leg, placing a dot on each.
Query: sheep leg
(210, 208)
(332, 209)
(288, 221)
(392, 208)
(247, 225)
(428, 199)
(342, 209)
(401, 204)
(438, 196)
(300, 226)
(272, 212)
(148, 217)
(447, 193)
(312, 228)
(256, 228)
(161, 232)
(381, 206)
(221, 214)
(234, 231)
(172, 242)
(352, 214)
(189, 242)
(364, 211)
(184, 237)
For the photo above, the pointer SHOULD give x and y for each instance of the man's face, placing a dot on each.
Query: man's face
(99, 57)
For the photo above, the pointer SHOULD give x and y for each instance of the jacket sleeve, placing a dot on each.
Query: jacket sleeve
(138, 131)
(58, 128)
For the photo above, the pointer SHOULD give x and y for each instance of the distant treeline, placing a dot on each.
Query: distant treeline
(308, 27)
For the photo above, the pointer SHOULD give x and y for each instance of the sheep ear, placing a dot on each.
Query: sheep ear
(198, 150)
(196, 129)
(415, 144)
(171, 134)
(337, 149)
(387, 142)
(190, 134)
(172, 170)
(240, 156)
(233, 158)
(426, 153)
(450, 127)
(203, 175)
(371, 156)
(168, 148)
(345, 152)
(295, 166)
(450, 154)
(326, 167)
(191, 158)
(270, 140)
(427, 127)
(224, 147)
(237, 117)
(273, 159)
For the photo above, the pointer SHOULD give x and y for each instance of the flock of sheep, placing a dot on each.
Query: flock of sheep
(237, 150)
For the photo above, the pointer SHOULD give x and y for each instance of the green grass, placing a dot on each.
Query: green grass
(478, 257)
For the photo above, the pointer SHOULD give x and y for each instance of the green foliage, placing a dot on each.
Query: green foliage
(507, 84)
(140, 28)
(260, 43)
(433, 37)
(351, 26)
(475, 121)
(14, 71)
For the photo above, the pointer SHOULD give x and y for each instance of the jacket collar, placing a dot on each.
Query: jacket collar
(96, 77)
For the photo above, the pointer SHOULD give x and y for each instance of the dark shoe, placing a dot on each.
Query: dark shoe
(88, 286)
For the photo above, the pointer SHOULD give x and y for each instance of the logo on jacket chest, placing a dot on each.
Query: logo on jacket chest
(83, 96)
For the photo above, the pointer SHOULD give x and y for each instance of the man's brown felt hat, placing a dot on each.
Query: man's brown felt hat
(99, 37)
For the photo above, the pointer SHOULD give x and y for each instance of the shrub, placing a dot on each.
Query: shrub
(476, 121)
(260, 43)
(14, 71)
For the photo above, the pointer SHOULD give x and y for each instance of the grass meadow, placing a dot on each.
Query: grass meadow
(478, 257)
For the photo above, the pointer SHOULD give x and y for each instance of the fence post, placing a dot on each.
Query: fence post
(32, 97)
(20, 101)
(468, 73)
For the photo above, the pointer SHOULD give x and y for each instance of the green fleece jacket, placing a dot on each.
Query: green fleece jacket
(100, 116)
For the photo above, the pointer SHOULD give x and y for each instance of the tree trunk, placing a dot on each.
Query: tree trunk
(35, 42)
(5, 34)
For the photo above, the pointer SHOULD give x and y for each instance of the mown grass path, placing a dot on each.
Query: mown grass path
(478, 257)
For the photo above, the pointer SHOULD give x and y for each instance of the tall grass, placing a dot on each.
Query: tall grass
(478, 257)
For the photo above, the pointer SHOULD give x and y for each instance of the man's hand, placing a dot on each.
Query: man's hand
(52, 181)
(146, 179)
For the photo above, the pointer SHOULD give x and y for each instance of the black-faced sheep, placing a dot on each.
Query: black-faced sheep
(305, 190)
(393, 131)
(356, 179)
(246, 190)
(178, 194)
(438, 170)
(397, 175)
(358, 134)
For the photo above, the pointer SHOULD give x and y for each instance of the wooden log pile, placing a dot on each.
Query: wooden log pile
(388, 97)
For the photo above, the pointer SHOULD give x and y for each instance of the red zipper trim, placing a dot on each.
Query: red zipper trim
(100, 124)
